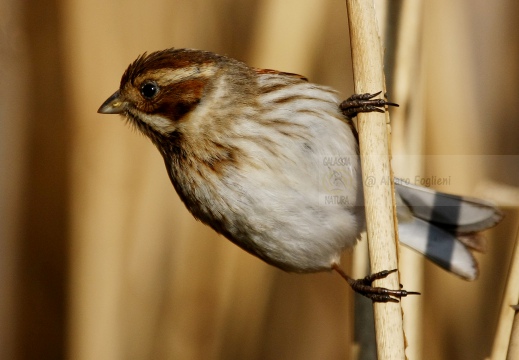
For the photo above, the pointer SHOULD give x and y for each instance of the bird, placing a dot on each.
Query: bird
(270, 161)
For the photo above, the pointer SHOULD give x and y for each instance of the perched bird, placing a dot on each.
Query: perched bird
(271, 161)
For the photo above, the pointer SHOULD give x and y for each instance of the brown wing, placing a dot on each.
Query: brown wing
(270, 71)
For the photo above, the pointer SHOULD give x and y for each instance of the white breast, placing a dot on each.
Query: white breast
(296, 204)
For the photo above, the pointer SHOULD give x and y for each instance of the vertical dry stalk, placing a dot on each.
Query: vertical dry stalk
(373, 139)
(513, 348)
(506, 317)
(407, 123)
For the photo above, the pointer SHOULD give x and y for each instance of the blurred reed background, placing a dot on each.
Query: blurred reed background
(100, 260)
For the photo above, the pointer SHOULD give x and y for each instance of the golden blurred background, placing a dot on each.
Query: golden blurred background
(99, 259)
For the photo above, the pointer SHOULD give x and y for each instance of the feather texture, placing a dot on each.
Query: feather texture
(270, 161)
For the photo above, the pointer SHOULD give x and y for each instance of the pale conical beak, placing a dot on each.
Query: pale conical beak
(113, 105)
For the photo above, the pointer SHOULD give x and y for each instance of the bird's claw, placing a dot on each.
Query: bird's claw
(378, 294)
(358, 103)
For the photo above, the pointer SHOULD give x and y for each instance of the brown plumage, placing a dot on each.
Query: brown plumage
(251, 154)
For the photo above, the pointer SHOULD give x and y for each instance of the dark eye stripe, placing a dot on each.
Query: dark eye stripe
(178, 99)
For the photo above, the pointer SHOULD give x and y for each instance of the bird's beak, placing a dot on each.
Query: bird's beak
(115, 104)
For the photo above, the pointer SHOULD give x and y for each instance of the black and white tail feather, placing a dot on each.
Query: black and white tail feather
(443, 227)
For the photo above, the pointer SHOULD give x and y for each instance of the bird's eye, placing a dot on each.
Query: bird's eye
(149, 90)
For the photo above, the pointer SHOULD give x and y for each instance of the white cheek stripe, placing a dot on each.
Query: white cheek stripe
(157, 122)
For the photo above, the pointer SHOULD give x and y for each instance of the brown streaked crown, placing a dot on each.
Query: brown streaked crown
(167, 59)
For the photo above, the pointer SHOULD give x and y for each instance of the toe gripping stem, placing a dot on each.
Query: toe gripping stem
(358, 103)
(378, 294)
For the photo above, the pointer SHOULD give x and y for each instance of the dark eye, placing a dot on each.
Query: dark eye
(149, 89)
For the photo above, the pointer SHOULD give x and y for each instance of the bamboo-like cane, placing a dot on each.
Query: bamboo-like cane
(506, 317)
(376, 175)
(407, 123)
(513, 347)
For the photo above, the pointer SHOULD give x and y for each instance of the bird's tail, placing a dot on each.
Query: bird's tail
(445, 228)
